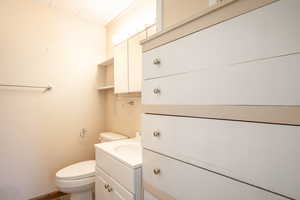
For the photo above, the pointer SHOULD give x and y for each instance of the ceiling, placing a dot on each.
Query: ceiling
(99, 11)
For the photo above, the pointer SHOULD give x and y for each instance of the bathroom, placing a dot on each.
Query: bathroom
(149, 100)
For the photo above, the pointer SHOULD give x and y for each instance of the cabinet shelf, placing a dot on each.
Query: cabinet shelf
(107, 62)
(107, 87)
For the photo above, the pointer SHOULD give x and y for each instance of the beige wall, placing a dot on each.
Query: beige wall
(175, 11)
(141, 11)
(120, 115)
(40, 131)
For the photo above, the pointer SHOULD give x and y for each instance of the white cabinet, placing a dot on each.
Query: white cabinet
(108, 189)
(236, 62)
(116, 179)
(229, 148)
(100, 188)
(121, 172)
(265, 82)
(169, 179)
(121, 67)
(249, 37)
(135, 62)
(128, 65)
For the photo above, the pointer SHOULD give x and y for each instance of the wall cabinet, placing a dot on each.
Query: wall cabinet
(128, 64)
(121, 67)
(135, 62)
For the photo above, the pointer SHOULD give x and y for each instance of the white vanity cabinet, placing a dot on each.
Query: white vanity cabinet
(118, 174)
(108, 189)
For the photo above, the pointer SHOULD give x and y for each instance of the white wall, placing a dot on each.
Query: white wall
(39, 132)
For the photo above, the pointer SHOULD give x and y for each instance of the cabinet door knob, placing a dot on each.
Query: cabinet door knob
(156, 171)
(156, 91)
(109, 189)
(156, 61)
(156, 133)
(106, 186)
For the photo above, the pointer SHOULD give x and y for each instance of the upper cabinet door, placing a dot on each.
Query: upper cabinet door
(135, 62)
(121, 67)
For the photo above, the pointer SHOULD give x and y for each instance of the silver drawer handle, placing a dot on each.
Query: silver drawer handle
(156, 61)
(156, 133)
(109, 189)
(106, 186)
(156, 91)
(156, 171)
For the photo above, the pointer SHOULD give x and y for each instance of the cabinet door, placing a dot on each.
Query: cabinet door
(114, 190)
(121, 67)
(135, 62)
(100, 191)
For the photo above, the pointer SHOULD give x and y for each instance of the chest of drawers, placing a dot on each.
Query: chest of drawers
(247, 60)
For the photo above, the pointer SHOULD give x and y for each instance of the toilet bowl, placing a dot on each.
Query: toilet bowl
(78, 179)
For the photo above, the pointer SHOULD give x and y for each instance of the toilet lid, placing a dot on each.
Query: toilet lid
(78, 170)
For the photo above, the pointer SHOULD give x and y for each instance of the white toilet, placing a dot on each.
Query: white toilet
(78, 179)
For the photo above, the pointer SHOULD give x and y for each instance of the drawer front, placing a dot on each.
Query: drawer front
(120, 172)
(181, 181)
(267, 82)
(260, 154)
(240, 39)
(114, 191)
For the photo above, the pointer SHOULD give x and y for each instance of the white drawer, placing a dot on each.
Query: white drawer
(266, 32)
(117, 192)
(120, 172)
(266, 82)
(181, 181)
(260, 154)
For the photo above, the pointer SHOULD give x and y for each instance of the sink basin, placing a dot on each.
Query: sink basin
(128, 151)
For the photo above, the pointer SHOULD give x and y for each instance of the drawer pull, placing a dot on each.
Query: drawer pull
(156, 171)
(156, 133)
(156, 61)
(109, 189)
(106, 186)
(156, 91)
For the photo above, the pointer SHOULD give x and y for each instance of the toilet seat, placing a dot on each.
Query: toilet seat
(77, 171)
(77, 177)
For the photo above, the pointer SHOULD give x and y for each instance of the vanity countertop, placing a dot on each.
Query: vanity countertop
(129, 151)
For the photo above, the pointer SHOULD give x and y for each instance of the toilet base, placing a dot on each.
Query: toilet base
(87, 195)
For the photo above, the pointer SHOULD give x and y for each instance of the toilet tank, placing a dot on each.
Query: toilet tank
(110, 136)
